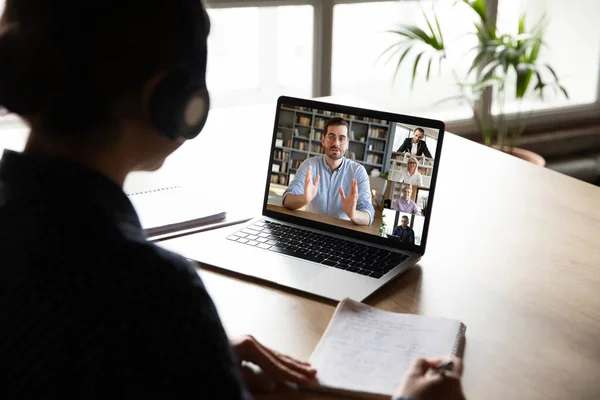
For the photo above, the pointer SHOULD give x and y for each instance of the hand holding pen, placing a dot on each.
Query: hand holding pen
(432, 380)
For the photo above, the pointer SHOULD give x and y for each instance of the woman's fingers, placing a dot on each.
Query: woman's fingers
(296, 365)
(251, 350)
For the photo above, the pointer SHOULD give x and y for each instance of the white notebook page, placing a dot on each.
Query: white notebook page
(368, 350)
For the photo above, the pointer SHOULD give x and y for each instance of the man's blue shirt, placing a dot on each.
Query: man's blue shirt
(328, 200)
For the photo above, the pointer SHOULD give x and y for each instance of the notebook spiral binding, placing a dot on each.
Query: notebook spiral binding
(154, 190)
(459, 341)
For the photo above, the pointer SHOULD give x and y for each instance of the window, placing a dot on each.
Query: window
(572, 48)
(269, 53)
(233, 59)
(259, 53)
(360, 37)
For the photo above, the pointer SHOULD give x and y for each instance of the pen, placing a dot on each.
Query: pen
(446, 366)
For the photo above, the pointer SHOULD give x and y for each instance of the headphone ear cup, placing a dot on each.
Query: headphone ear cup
(179, 108)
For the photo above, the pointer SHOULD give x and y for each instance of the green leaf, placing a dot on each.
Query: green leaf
(552, 72)
(400, 62)
(414, 72)
(524, 73)
(524, 36)
(499, 50)
(406, 33)
(489, 68)
(417, 35)
(437, 23)
(433, 35)
(540, 84)
(432, 41)
(522, 24)
(479, 87)
(479, 7)
(477, 61)
(397, 45)
(428, 68)
(481, 32)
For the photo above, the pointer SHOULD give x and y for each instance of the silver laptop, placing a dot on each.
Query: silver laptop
(347, 233)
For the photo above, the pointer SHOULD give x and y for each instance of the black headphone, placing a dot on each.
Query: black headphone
(179, 104)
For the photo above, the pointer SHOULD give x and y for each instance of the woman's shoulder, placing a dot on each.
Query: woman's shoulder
(149, 255)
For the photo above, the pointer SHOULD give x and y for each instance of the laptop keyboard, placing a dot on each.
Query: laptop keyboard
(323, 249)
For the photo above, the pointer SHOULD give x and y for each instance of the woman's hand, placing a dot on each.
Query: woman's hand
(438, 385)
(274, 367)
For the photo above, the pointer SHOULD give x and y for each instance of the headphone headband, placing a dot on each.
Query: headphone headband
(180, 103)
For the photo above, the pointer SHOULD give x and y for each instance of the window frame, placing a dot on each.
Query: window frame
(540, 123)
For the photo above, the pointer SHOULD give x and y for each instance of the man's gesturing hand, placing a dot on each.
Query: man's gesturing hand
(349, 203)
(310, 187)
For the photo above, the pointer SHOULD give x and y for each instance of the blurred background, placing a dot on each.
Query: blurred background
(259, 50)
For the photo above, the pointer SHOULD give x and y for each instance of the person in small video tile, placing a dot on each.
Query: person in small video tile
(405, 204)
(416, 145)
(404, 232)
(412, 176)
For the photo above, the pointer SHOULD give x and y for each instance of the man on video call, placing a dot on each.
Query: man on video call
(331, 184)
(415, 146)
(404, 232)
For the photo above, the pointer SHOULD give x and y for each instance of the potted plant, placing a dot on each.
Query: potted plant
(500, 64)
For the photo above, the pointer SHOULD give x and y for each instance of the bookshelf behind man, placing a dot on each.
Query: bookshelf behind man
(299, 134)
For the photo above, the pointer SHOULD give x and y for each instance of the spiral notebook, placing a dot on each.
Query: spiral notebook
(173, 209)
(366, 351)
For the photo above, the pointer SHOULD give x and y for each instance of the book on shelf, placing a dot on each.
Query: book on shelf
(374, 159)
(379, 133)
(303, 120)
(296, 164)
(301, 145)
(366, 351)
(281, 155)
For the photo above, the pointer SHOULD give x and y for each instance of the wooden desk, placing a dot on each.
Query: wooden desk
(372, 229)
(517, 259)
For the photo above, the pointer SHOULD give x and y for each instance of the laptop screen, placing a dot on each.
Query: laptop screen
(356, 171)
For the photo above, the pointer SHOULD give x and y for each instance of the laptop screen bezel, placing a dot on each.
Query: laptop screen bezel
(340, 108)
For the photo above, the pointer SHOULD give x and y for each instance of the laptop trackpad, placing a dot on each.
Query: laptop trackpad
(287, 271)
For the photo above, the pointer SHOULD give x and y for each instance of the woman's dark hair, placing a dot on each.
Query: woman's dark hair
(68, 63)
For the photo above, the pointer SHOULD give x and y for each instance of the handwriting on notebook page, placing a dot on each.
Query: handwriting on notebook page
(369, 350)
